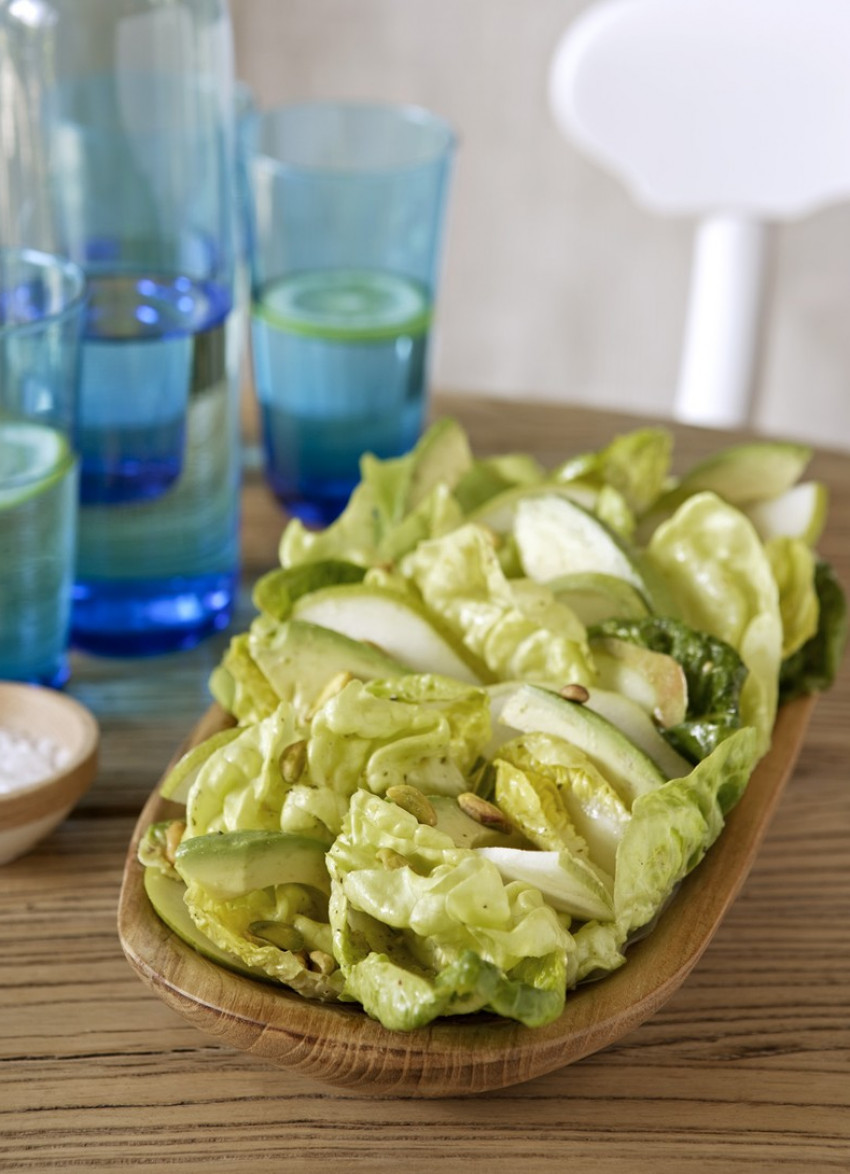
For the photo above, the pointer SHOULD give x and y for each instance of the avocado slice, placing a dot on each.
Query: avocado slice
(165, 894)
(276, 591)
(298, 659)
(532, 709)
(228, 864)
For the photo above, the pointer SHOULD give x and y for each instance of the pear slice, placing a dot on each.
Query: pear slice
(628, 717)
(566, 882)
(165, 894)
(654, 680)
(178, 782)
(396, 625)
(595, 597)
(499, 513)
(632, 772)
(799, 512)
(744, 473)
(557, 537)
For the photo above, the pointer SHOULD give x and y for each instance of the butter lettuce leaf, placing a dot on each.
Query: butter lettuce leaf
(672, 828)
(462, 940)
(236, 926)
(721, 582)
(636, 465)
(423, 730)
(242, 784)
(518, 629)
(397, 503)
(793, 564)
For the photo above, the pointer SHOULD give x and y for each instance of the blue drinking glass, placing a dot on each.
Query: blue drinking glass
(42, 303)
(347, 215)
(137, 125)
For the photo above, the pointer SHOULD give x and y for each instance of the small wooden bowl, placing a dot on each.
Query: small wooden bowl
(31, 811)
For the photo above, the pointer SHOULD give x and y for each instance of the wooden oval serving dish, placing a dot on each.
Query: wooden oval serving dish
(464, 1055)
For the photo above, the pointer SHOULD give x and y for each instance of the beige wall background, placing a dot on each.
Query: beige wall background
(554, 284)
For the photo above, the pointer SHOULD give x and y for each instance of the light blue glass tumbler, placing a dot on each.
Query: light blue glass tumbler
(138, 127)
(348, 205)
(42, 300)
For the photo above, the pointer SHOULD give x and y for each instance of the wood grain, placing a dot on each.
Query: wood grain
(746, 1067)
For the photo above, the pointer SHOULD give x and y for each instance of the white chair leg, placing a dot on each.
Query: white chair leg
(722, 334)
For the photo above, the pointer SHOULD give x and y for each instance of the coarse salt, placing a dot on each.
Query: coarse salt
(25, 760)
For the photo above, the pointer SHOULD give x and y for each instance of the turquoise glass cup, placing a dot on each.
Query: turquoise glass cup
(346, 225)
(42, 302)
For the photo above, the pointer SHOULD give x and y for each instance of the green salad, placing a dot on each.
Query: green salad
(486, 721)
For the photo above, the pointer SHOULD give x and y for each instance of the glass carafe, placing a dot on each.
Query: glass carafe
(125, 164)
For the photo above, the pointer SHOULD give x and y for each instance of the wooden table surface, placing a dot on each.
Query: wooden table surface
(747, 1067)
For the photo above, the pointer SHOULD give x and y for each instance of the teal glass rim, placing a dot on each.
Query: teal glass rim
(436, 138)
(64, 279)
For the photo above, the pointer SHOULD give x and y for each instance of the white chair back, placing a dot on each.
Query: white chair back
(735, 112)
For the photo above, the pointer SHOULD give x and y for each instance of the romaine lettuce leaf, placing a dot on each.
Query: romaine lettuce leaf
(814, 666)
(714, 672)
(239, 685)
(557, 798)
